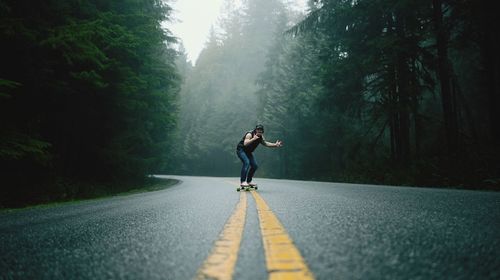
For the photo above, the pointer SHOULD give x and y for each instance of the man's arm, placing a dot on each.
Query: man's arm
(248, 139)
(276, 144)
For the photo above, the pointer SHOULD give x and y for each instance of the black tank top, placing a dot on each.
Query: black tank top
(251, 147)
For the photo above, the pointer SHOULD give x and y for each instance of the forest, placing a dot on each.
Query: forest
(381, 91)
(96, 95)
(87, 96)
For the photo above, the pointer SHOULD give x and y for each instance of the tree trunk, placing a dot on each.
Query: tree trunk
(404, 114)
(416, 120)
(447, 98)
(492, 71)
(402, 95)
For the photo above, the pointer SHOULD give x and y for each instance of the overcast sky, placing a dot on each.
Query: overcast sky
(192, 22)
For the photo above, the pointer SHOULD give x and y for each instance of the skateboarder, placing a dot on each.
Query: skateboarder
(244, 150)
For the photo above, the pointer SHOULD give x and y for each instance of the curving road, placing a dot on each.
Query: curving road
(343, 231)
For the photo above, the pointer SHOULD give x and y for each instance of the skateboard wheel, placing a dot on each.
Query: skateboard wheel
(256, 187)
(238, 189)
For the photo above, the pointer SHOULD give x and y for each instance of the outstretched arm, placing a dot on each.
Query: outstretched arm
(276, 144)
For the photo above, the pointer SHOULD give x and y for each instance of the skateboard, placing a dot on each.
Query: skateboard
(246, 188)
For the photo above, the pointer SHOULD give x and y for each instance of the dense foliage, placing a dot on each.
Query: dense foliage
(218, 101)
(87, 94)
(374, 91)
(398, 92)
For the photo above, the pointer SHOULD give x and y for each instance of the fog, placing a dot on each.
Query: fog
(220, 98)
(95, 96)
(354, 93)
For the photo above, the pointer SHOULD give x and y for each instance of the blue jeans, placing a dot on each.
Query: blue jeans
(249, 165)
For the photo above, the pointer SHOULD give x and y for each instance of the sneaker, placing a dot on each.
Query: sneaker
(252, 185)
(244, 185)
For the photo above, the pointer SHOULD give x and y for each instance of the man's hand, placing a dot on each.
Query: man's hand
(255, 137)
(278, 143)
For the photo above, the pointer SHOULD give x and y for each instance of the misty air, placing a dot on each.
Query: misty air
(249, 139)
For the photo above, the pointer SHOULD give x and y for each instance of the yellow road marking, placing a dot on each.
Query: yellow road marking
(222, 260)
(283, 259)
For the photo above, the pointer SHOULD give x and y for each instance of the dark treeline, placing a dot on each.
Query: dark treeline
(399, 92)
(87, 94)
(378, 91)
(390, 92)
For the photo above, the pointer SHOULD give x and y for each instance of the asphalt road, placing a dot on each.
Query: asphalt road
(343, 231)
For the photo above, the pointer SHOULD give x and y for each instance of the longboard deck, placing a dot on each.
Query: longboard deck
(246, 188)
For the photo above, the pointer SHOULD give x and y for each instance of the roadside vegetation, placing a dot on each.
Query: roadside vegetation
(97, 94)
(87, 97)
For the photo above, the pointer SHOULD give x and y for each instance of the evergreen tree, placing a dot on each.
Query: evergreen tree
(92, 94)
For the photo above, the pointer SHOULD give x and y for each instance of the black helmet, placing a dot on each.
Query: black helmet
(259, 127)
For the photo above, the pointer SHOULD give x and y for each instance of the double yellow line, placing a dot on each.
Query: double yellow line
(222, 260)
(283, 259)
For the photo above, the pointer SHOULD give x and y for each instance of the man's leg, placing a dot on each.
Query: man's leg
(246, 165)
(253, 167)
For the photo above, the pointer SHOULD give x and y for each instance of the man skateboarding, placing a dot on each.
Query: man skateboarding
(244, 150)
